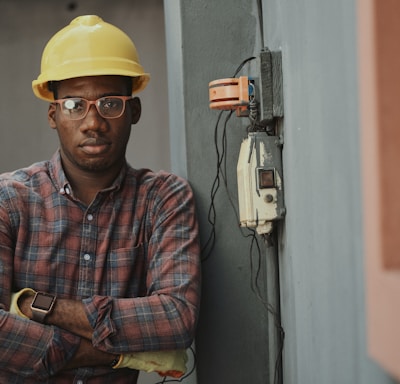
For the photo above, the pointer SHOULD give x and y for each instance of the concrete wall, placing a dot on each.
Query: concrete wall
(322, 266)
(321, 253)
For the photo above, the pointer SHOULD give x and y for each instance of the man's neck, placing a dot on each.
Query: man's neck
(87, 186)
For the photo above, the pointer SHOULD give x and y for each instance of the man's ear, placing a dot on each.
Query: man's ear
(51, 115)
(136, 108)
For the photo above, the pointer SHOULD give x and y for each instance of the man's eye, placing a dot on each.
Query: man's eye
(109, 104)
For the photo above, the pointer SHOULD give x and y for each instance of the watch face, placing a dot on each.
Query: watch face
(43, 301)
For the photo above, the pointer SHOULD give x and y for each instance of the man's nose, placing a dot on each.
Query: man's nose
(93, 120)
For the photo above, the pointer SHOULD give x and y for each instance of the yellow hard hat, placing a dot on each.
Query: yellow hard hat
(88, 46)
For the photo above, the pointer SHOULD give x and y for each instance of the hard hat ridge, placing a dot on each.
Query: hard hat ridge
(88, 46)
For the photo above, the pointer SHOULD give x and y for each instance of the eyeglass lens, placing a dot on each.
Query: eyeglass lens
(108, 107)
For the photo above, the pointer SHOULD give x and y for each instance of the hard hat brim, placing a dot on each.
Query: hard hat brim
(41, 89)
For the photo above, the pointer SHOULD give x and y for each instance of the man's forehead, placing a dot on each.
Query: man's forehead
(109, 80)
(88, 84)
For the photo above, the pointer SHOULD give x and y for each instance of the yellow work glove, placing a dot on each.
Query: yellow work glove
(14, 308)
(165, 363)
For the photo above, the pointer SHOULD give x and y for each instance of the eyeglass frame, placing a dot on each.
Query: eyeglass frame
(89, 103)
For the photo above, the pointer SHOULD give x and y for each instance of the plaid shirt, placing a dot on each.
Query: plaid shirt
(131, 256)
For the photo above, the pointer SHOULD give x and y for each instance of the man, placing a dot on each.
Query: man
(99, 262)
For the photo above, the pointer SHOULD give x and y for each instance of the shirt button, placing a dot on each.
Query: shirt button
(86, 256)
(90, 217)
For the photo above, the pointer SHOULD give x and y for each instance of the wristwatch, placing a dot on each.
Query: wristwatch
(42, 305)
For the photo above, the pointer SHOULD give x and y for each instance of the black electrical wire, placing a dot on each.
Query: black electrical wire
(242, 64)
(257, 291)
(211, 217)
(260, 21)
(209, 245)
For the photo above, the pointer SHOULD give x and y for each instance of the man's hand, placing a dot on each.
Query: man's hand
(88, 356)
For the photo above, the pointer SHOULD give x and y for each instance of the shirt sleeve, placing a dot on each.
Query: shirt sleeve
(165, 318)
(27, 348)
(35, 350)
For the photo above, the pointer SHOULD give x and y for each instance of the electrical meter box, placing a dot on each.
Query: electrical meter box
(260, 184)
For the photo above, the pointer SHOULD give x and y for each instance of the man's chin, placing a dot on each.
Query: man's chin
(94, 165)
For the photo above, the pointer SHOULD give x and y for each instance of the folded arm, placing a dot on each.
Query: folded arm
(70, 316)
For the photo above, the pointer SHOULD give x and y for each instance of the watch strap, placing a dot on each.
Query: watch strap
(38, 315)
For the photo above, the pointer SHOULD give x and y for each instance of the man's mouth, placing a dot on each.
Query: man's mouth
(95, 146)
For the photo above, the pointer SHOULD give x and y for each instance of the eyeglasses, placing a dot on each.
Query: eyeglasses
(109, 107)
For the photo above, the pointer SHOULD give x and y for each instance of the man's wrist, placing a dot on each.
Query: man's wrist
(24, 304)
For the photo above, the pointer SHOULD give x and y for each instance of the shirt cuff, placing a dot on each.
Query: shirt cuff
(98, 311)
(62, 350)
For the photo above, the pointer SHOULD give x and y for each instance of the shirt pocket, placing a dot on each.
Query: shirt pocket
(126, 272)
